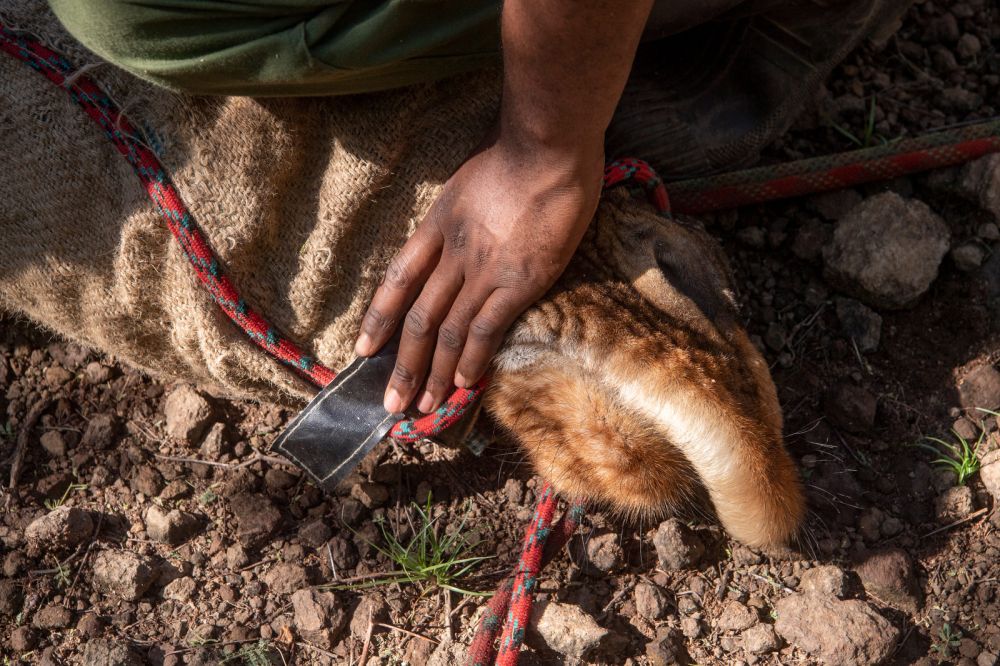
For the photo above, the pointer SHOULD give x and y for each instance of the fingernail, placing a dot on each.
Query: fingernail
(460, 380)
(393, 402)
(426, 403)
(363, 345)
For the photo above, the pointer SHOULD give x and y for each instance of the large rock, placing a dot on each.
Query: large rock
(886, 251)
(980, 181)
(887, 575)
(59, 530)
(188, 414)
(566, 629)
(677, 546)
(122, 574)
(835, 632)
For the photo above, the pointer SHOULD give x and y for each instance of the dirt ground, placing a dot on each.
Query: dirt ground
(164, 532)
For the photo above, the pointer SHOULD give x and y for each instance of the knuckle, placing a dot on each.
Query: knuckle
(376, 321)
(403, 375)
(417, 324)
(450, 339)
(397, 275)
(437, 384)
(483, 329)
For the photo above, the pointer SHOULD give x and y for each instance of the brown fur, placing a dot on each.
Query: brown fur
(632, 383)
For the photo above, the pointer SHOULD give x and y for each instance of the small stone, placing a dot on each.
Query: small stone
(216, 443)
(285, 578)
(954, 504)
(736, 617)
(837, 633)
(147, 481)
(566, 628)
(11, 598)
(980, 181)
(957, 98)
(315, 533)
(514, 490)
(236, 557)
(650, 601)
(760, 639)
(601, 552)
(891, 526)
(54, 443)
(980, 388)
(886, 251)
(870, 524)
(53, 616)
(825, 580)
(175, 490)
(989, 473)
(968, 46)
(371, 495)
(691, 627)
(755, 237)
(256, 518)
(100, 433)
(170, 527)
(887, 575)
(59, 530)
(988, 231)
(180, 589)
(859, 323)
(965, 428)
(810, 239)
(667, 649)
(851, 408)
(343, 552)
(188, 413)
(95, 373)
(23, 639)
(314, 609)
(105, 652)
(123, 574)
(775, 336)
(677, 546)
(278, 480)
(987, 659)
(967, 257)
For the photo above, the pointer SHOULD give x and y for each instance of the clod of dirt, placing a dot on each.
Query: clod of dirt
(667, 649)
(60, 530)
(760, 639)
(123, 574)
(188, 414)
(736, 617)
(54, 443)
(859, 323)
(170, 527)
(343, 552)
(851, 408)
(56, 375)
(600, 552)
(827, 580)
(677, 546)
(651, 602)
(90, 625)
(980, 180)
(23, 639)
(315, 533)
(285, 578)
(179, 589)
(11, 598)
(371, 495)
(886, 251)
(989, 473)
(104, 652)
(318, 617)
(53, 616)
(95, 373)
(565, 628)
(147, 481)
(236, 557)
(837, 633)
(980, 388)
(887, 575)
(100, 432)
(954, 504)
(256, 517)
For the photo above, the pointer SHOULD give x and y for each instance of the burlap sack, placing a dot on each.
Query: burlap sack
(304, 201)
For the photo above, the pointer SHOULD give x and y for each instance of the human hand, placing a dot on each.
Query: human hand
(499, 235)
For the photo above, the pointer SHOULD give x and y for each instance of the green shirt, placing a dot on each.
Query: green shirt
(299, 47)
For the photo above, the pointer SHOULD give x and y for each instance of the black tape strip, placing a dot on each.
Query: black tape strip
(344, 422)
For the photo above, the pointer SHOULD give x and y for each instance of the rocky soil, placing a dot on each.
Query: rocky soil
(151, 525)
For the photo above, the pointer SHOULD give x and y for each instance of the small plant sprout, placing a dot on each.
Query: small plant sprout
(6, 431)
(53, 504)
(429, 556)
(948, 639)
(255, 654)
(961, 456)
